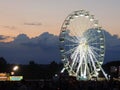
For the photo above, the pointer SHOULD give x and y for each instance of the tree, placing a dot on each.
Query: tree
(3, 64)
(32, 62)
(53, 68)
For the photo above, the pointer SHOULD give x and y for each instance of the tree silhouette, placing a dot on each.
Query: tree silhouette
(3, 64)
(31, 62)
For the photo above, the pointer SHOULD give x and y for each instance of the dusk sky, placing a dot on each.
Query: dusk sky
(34, 17)
(41, 20)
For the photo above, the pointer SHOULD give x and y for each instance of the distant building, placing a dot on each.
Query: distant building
(4, 76)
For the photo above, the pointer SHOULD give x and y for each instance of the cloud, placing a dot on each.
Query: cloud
(45, 40)
(21, 38)
(8, 27)
(45, 48)
(42, 49)
(2, 37)
(112, 51)
(33, 23)
(112, 40)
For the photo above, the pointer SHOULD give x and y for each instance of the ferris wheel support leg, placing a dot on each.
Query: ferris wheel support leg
(104, 73)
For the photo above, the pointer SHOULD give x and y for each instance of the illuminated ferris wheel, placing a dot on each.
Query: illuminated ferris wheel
(82, 45)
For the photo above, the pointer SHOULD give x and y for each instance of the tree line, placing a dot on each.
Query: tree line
(32, 70)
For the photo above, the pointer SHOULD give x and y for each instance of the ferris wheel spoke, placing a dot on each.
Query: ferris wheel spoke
(79, 65)
(82, 58)
(93, 63)
(88, 70)
(71, 39)
(93, 39)
(96, 43)
(75, 38)
(97, 62)
(72, 45)
(75, 29)
(70, 51)
(80, 26)
(75, 64)
(92, 58)
(90, 66)
(94, 48)
(85, 68)
(74, 35)
(97, 54)
(94, 54)
(74, 57)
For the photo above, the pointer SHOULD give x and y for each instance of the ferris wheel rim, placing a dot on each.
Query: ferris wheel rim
(82, 13)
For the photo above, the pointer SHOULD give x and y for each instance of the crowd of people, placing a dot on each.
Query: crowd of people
(61, 84)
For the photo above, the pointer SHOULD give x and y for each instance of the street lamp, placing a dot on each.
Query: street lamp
(12, 73)
(15, 68)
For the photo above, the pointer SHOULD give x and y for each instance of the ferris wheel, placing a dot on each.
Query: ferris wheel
(82, 45)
